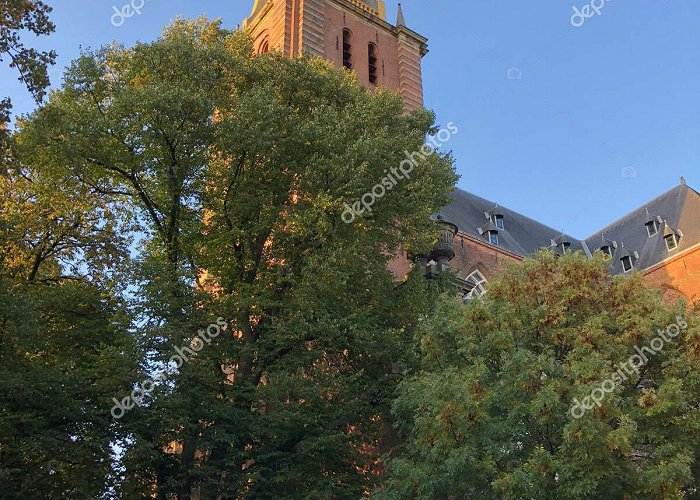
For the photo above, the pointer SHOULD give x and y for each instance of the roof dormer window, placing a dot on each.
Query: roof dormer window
(498, 220)
(671, 242)
(607, 251)
(493, 237)
(561, 245)
(671, 237)
(490, 230)
(652, 228)
(627, 264)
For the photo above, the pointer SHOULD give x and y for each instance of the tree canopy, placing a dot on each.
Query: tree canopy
(492, 413)
(232, 172)
(65, 346)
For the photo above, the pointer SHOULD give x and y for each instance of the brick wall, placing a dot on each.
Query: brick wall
(315, 27)
(410, 73)
(470, 255)
(678, 276)
(363, 32)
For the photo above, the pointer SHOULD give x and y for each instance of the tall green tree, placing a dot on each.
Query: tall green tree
(65, 348)
(493, 412)
(239, 169)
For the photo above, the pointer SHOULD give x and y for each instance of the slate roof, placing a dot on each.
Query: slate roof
(522, 236)
(676, 212)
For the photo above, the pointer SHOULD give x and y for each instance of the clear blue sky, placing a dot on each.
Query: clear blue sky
(603, 118)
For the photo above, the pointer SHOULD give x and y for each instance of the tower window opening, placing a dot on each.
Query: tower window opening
(347, 49)
(373, 67)
(264, 45)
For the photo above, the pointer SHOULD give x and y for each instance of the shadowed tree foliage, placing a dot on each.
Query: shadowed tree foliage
(65, 349)
(238, 169)
(489, 415)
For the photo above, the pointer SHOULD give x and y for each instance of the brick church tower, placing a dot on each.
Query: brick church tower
(350, 33)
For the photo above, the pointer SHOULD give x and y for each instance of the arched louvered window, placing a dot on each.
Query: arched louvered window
(373, 64)
(475, 286)
(347, 49)
(265, 47)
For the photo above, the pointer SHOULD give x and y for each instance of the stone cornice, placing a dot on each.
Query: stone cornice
(362, 5)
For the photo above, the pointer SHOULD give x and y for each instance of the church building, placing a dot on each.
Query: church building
(660, 239)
